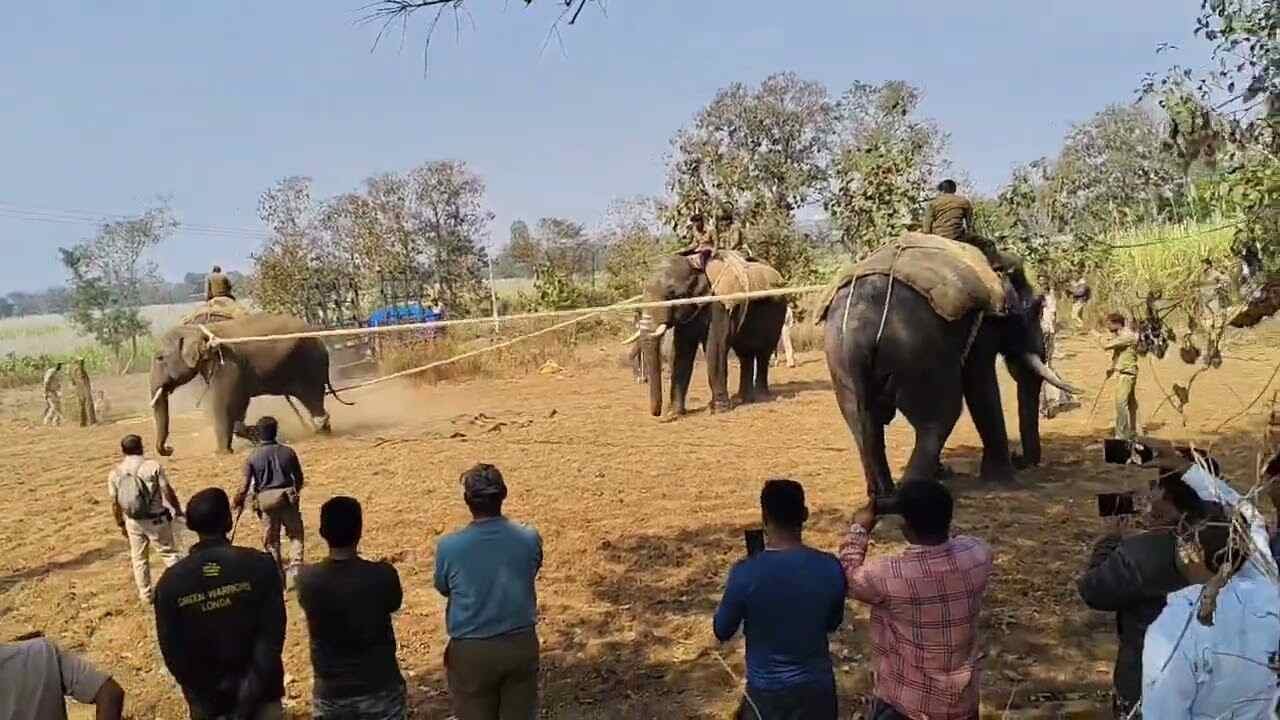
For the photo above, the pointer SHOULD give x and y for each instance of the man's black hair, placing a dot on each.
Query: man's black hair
(341, 522)
(268, 427)
(947, 186)
(1215, 539)
(217, 268)
(485, 505)
(131, 445)
(782, 502)
(1181, 495)
(1116, 318)
(209, 512)
(927, 507)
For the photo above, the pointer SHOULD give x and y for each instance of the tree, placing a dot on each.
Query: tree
(450, 215)
(108, 274)
(750, 152)
(1228, 117)
(633, 238)
(884, 165)
(1113, 169)
(283, 265)
(7, 308)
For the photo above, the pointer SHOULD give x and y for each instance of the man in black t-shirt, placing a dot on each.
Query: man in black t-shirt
(348, 601)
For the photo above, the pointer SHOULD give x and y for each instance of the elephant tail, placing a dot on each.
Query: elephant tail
(334, 392)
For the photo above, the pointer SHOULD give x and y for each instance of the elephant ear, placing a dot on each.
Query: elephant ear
(193, 349)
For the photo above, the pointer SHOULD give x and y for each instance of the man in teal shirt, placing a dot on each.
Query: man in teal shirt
(487, 570)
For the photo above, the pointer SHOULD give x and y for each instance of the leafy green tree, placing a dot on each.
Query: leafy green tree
(885, 161)
(108, 274)
(452, 220)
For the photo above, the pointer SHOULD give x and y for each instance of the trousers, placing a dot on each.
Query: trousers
(1126, 406)
(273, 710)
(494, 678)
(143, 534)
(288, 518)
(52, 408)
(809, 702)
(383, 705)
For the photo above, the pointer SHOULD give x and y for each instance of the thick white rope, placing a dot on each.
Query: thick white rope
(590, 311)
(473, 353)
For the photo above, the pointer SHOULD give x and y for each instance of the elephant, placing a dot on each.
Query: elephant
(750, 329)
(296, 368)
(919, 365)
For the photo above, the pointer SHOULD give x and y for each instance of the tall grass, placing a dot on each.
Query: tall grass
(1163, 258)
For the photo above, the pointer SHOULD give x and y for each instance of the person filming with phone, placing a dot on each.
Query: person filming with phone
(1131, 573)
(924, 603)
(789, 597)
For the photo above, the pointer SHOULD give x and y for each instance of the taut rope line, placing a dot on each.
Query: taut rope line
(589, 311)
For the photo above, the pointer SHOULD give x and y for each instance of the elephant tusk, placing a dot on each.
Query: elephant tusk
(1049, 376)
(632, 339)
(662, 330)
(156, 398)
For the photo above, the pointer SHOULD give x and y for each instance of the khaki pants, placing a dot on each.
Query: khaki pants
(1077, 312)
(786, 347)
(290, 519)
(494, 678)
(1126, 406)
(142, 535)
(52, 409)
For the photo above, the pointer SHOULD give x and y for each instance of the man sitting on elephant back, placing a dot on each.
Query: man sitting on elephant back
(948, 215)
(217, 285)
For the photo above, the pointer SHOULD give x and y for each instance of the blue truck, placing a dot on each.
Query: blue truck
(350, 352)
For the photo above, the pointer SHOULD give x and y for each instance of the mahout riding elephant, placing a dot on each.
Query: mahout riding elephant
(919, 365)
(296, 368)
(750, 329)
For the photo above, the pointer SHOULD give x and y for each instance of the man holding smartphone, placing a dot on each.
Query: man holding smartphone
(790, 597)
(1131, 575)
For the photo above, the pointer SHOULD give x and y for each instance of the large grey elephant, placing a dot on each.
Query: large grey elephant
(296, 368)
(920, 366)
(751, 330)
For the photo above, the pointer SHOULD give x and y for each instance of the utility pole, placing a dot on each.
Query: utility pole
(493, 296)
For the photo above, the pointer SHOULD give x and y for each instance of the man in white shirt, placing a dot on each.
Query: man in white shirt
(53, 395)
(144, 506)
(1224, 670)
(36, 677)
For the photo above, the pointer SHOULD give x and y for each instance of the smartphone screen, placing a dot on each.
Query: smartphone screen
(1112, 504)
(755, 541)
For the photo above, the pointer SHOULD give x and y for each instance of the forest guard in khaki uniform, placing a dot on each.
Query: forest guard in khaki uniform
(948, 215)
(53, 395)
(1124, 365)
(144, 506)
(217, 285)
(84, 395)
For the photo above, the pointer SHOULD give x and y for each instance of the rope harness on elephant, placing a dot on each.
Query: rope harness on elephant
(973, 335)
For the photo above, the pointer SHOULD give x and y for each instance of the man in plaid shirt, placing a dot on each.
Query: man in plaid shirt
(924, 608)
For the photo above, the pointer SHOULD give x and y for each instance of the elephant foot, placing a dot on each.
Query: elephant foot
(720, 406)
(1022, 463)
(670, 417)
(998, 475)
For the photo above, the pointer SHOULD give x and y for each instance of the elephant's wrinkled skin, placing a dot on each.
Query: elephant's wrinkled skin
(916, 367)
(236, 373)
(751, 330)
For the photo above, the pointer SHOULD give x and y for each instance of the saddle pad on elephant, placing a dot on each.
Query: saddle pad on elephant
(731, 273)
(215, 310)
(954, 277)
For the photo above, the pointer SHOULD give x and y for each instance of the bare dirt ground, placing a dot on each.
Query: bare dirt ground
(641, 521)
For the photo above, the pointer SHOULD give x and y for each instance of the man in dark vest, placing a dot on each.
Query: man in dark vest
(217, 285)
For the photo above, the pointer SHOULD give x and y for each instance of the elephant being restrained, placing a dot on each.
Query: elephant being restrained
(889, 348)
(750, 329)
(296, 368)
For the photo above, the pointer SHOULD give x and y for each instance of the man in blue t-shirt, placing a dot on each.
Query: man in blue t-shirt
(788, 597)
(488, 571)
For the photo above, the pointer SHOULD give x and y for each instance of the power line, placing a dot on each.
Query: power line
(14, 211)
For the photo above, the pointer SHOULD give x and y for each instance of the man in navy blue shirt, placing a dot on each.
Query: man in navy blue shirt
(788, 597)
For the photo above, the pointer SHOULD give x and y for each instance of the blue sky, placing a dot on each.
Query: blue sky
(110, 103)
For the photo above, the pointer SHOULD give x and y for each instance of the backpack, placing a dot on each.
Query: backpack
(134, 495)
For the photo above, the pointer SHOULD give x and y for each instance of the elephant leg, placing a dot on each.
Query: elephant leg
(932, 408)
(868, 434)
(228, 415)
(717, 352)
(763, 361)
(684, 350)
(982, 394)
(314, 403)
(746, 379)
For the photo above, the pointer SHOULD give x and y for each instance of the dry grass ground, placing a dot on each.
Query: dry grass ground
(641, 521)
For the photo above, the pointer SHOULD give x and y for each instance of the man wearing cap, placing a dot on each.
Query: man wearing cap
(217, 285)
(487, 571)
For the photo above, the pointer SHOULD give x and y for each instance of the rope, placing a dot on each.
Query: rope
(734, 675)
(973, 335)
(884, 316)
(473, 353)
(592, 311)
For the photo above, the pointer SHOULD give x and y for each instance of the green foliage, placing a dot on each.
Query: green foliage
(883, 163)
(108, 274)
(28, 369)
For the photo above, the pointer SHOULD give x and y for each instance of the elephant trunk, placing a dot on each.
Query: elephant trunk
(160, 410)
(651, 362)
